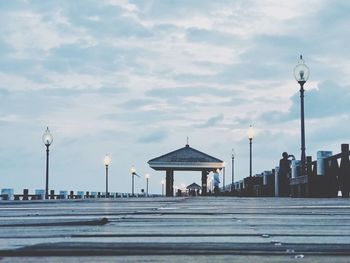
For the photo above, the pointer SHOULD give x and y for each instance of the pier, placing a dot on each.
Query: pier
(170, 229)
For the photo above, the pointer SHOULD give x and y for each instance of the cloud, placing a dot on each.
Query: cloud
(330, 99)
(138, 103)
(69, 92)
(327, 100)
(185, 92)
(210, 36)
(212, 121)
(111, 90)
(156, 136)
(136, 118)
(111, 76)
(31, 33)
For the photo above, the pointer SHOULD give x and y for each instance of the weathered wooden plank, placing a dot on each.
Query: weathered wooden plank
(222, 225)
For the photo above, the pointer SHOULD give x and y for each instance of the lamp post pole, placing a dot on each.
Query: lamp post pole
(47, 139)
(233, 169)
(47, 173)
(107, 161)
(106, 180)
(250, 156)
(301, 74)
(302, 126)
(133, 172)
(250, 137)
(147, 179)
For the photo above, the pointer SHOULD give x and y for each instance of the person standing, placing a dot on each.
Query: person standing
(284, 175)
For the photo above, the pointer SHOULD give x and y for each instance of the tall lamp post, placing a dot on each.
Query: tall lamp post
(147, 179)
(233, 169)
(107, 161)
(301, 74)
(47, 140)
(250, 137)
(133, 173)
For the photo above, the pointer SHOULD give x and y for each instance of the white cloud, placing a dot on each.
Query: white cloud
(125, 4)
(32, 33)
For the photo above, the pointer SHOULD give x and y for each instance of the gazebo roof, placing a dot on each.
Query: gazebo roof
(193, 186)
(186, 158)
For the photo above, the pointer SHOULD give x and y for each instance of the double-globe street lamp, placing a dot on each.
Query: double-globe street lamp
(47, 140)
(107, 161)
(301, 74)
(250, 134)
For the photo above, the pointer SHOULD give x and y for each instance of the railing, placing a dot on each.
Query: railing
(7, 194)
(334, 177)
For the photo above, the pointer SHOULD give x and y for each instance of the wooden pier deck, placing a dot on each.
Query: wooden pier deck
(199, 229)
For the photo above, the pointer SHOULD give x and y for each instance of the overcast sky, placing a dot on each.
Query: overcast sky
(134, 78)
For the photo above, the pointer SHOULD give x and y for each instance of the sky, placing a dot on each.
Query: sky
(133, 79)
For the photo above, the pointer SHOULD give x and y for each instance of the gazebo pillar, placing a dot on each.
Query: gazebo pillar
(204, 181)
(169, 182)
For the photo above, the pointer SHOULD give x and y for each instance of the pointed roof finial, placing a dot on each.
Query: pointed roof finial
(187, 144)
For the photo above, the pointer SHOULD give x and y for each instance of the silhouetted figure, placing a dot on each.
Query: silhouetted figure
(179, 192)
(216, 183)
(284, 175)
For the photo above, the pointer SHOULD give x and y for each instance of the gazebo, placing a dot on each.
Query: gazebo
(193, 189)
(185, 159)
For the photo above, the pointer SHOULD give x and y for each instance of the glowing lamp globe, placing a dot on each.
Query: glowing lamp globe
(301, 71)
(47, 137)
(107, 160)
(250, 133)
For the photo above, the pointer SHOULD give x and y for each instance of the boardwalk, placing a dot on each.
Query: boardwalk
(201, 229)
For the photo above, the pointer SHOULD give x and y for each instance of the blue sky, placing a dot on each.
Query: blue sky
(135, 78)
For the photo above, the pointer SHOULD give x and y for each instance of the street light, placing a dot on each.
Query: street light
(107, 161)
(250, 137)
(163, 183)
(301, 74)
(133, 173)
(147, 179)
(233, 168)
(47, 140)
